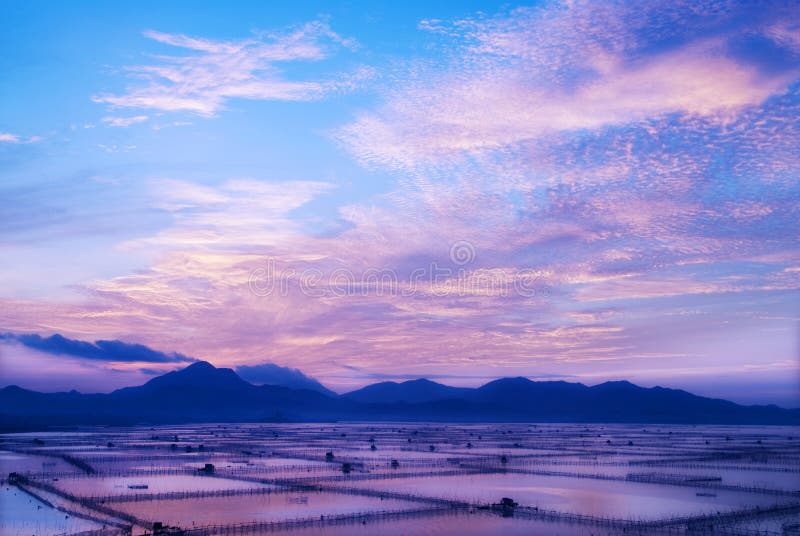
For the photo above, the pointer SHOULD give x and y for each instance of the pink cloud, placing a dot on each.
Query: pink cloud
(203, 83)
(630, 180)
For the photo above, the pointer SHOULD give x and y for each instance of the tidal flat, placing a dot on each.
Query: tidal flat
(401, 478)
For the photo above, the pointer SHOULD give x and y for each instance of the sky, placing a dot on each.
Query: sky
(366, 191)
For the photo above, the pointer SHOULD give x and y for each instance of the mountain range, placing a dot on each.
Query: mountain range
(201, 392)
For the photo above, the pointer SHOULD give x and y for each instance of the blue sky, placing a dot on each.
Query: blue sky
(606, 190)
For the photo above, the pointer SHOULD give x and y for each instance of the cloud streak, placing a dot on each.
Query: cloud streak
(272, 374)
(7, 137)
(565, 67)
(109, 351)
(215, 72)
(124, 122)
(639, 159)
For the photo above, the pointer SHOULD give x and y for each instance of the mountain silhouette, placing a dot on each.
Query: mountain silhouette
(198, 375)
(197, 393)
(409, 392)
(203, 393)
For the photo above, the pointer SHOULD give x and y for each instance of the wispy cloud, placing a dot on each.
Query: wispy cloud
(114, 148)
(112, 351)
(569, 67)
(124, 121)
(7, 137)
(214, 71)
(641, 160)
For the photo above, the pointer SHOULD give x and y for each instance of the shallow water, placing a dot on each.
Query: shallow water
(281, 472)
(21, 514)
(28, 463)
(94, 486)
(616, 499)
(267, 507)
(450, 524)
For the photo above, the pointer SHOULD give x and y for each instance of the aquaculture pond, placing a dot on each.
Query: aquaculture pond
(402, 478)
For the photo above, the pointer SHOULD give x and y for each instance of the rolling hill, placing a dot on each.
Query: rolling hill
(201, 392)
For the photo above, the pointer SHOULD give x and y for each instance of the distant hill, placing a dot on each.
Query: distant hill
(410, 392)
(204, 393)
(520, 399)
(198, 375)
(199, 392)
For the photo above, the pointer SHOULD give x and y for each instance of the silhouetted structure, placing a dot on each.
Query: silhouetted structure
(207, 468)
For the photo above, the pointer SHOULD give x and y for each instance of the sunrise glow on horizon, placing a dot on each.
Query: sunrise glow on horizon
(578, 191)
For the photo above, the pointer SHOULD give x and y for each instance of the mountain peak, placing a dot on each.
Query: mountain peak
(200, 365)
(199, 374)
(421, 381)
(518, 381)
(618, 385)
(408, 392)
